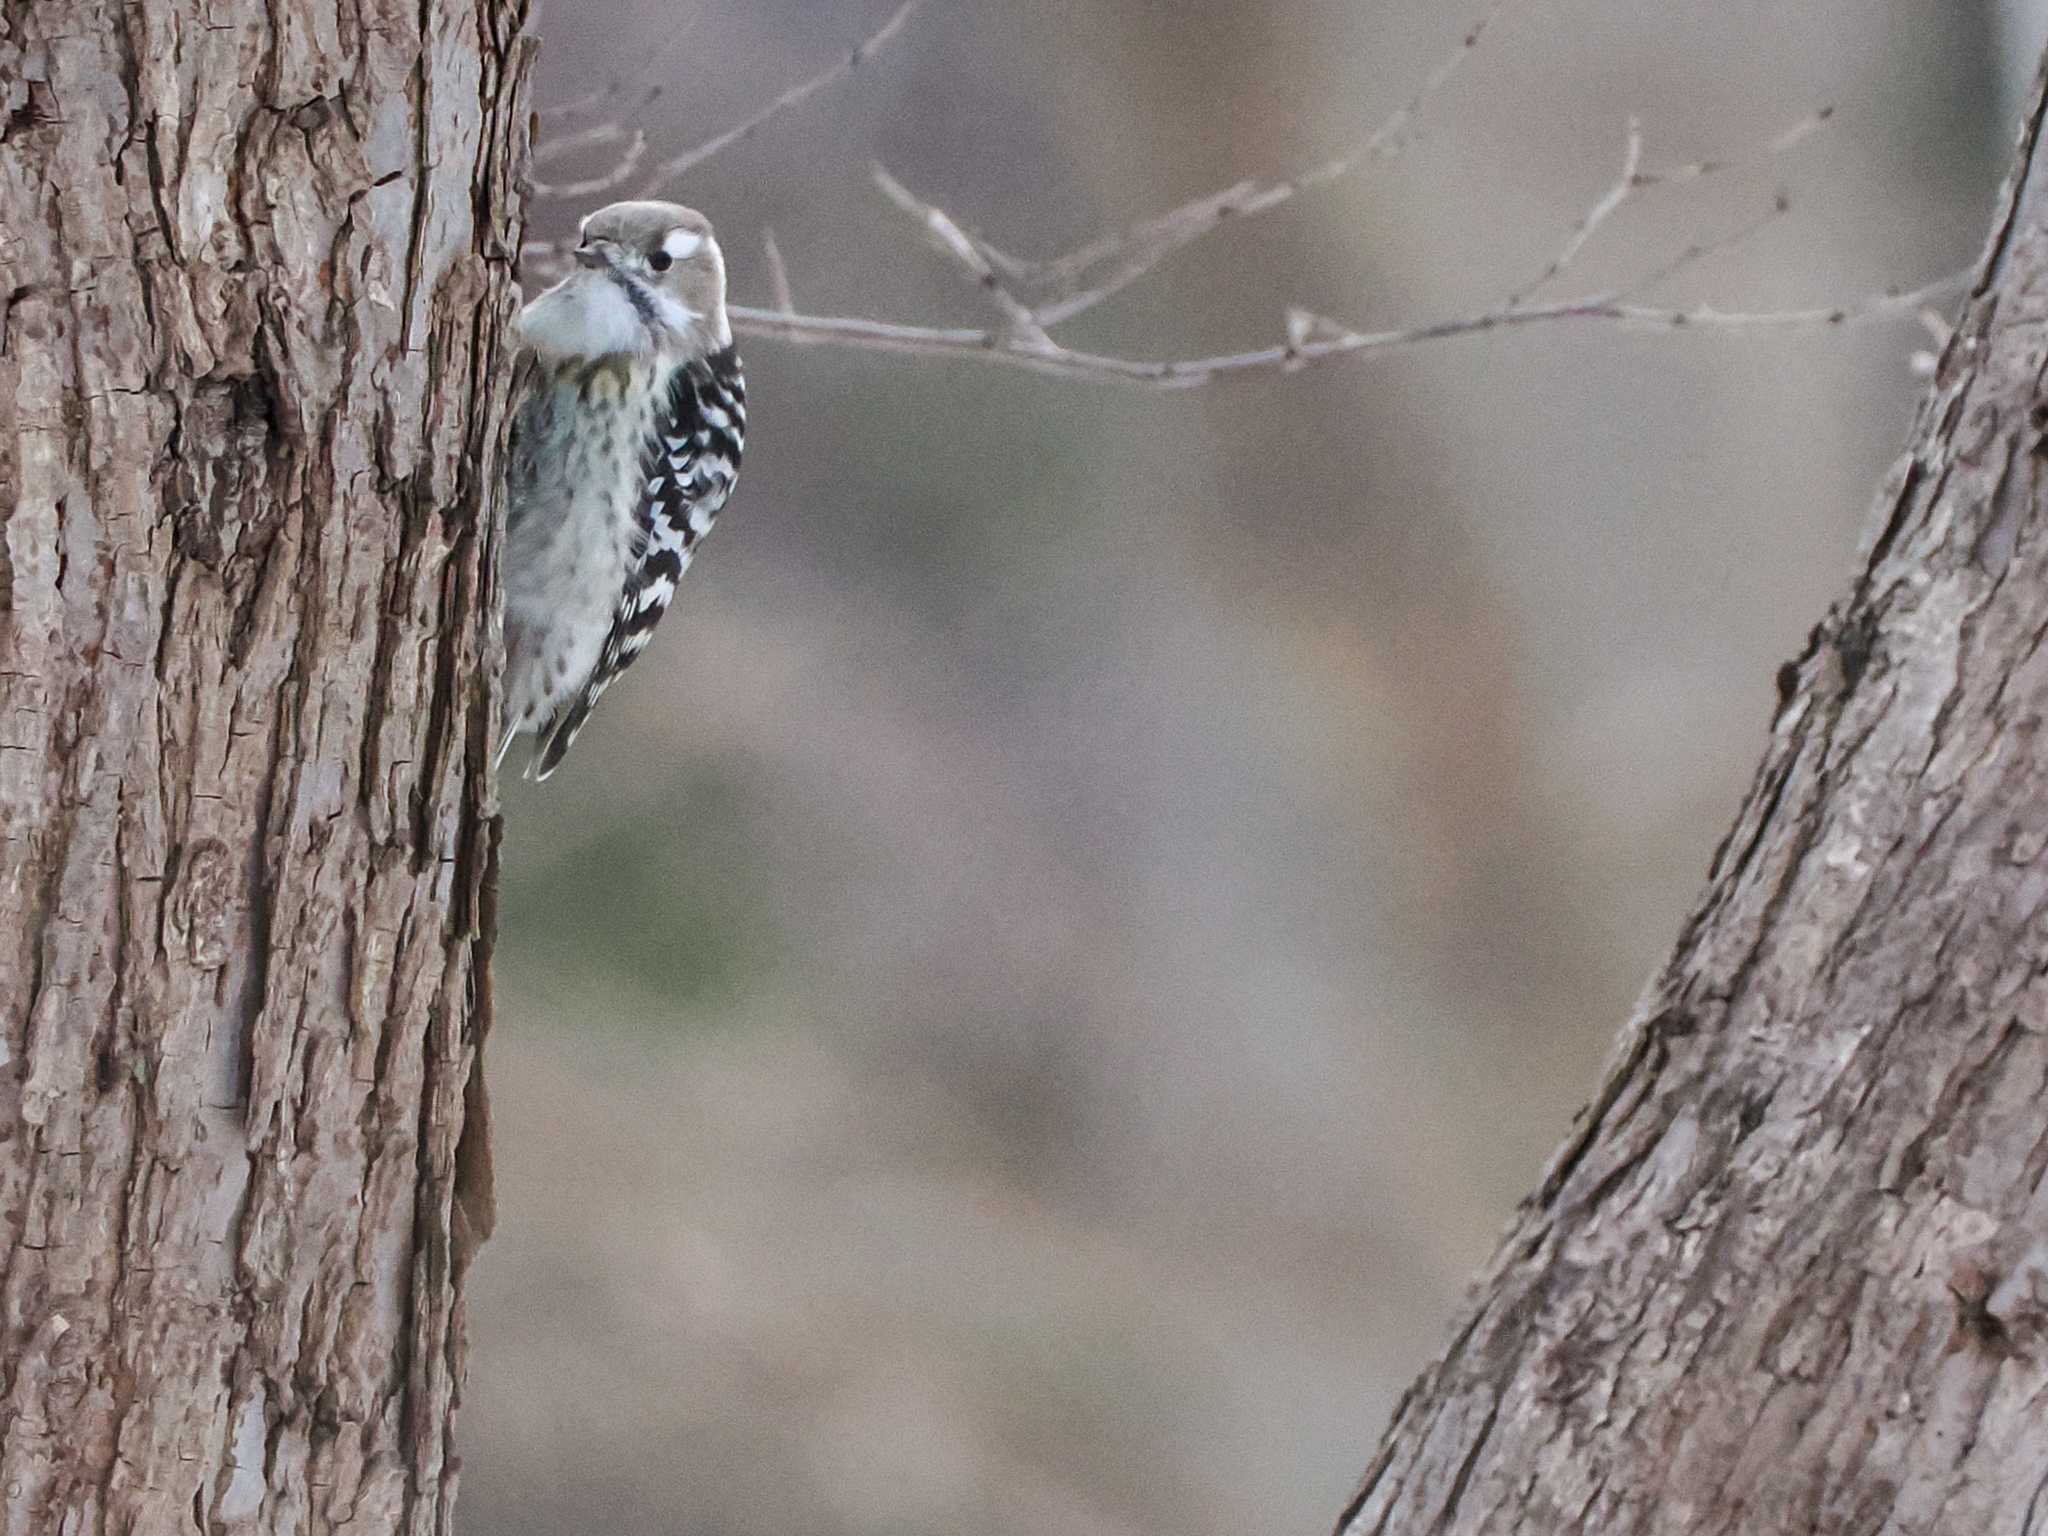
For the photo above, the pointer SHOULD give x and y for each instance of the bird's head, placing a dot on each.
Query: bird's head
(649, 281)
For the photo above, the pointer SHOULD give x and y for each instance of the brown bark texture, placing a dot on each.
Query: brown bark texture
(1790, 1273)
(255, 257)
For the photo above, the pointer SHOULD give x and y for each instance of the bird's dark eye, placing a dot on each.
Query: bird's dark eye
(661, 261)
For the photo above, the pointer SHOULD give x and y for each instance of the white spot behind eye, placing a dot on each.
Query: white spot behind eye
(681, 243)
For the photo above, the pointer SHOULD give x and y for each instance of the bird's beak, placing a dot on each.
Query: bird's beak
(593, 257)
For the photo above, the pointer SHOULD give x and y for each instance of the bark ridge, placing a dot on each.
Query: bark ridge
(1790, 1273)
(255, 258)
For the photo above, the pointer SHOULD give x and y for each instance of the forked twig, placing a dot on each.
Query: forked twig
(605, 98)
(591, 186)
(1074, 283)
(1033, 297)
(1312, 338)
(1623, 189)
(796, 95)
(1790, 138)
(596, 136)
(1634, 180)
(1701, 250)
(965, 252)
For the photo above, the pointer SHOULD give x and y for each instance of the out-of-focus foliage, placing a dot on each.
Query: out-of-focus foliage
(1026, 1005)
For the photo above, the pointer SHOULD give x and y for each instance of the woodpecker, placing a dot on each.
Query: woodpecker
(629, 414)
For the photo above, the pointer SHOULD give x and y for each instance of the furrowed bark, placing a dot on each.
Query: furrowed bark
(1790, 1274)
(254, 262)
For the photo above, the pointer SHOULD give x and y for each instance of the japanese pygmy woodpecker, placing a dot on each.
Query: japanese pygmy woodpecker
(629, 413)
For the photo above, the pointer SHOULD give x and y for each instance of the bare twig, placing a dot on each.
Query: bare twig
(596, 136)
(1700, 250)
(1311, 339)
(1770, 149)
(1634, 180)
(1072, 280)
(591, 186)
(778, 273)
(965, 252)
(600, 98)
(605, 98)
(690, 159)
(1033, 297)
(1623, 189)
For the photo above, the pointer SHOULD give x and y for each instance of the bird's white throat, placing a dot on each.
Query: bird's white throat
(589, 315)
(586, 314)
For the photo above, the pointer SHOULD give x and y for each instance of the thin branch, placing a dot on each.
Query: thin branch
(592, 185)
(1634, 179)
(605, 98)
(962, 249)
(1770, 149)
(778, 273)
(596, 136)
(1624, 187)
(1701, 250)
(1135, 251)
(1071, 284)
(599, 97)
(1312, 339)
(1144, 246)
(797, 94)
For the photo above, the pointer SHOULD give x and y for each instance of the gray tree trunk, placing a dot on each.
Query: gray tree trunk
(1790, 1275)
(1791, 1272)
(254, 262)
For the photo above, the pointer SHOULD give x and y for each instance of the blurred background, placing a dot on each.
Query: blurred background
(1022, 1012)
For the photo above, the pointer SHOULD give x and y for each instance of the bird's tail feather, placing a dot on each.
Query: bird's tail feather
(504, 746)
(558, 736)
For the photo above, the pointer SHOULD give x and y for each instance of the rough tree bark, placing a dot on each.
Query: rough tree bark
(1790, 1274)
(254, 261)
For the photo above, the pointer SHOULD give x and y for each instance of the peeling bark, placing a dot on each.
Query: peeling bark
(255, 258)
(1790, 1274)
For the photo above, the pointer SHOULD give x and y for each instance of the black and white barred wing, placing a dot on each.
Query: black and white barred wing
(690, 463)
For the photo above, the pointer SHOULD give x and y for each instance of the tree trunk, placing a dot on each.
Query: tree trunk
(1791, 1272)
(254, 262)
